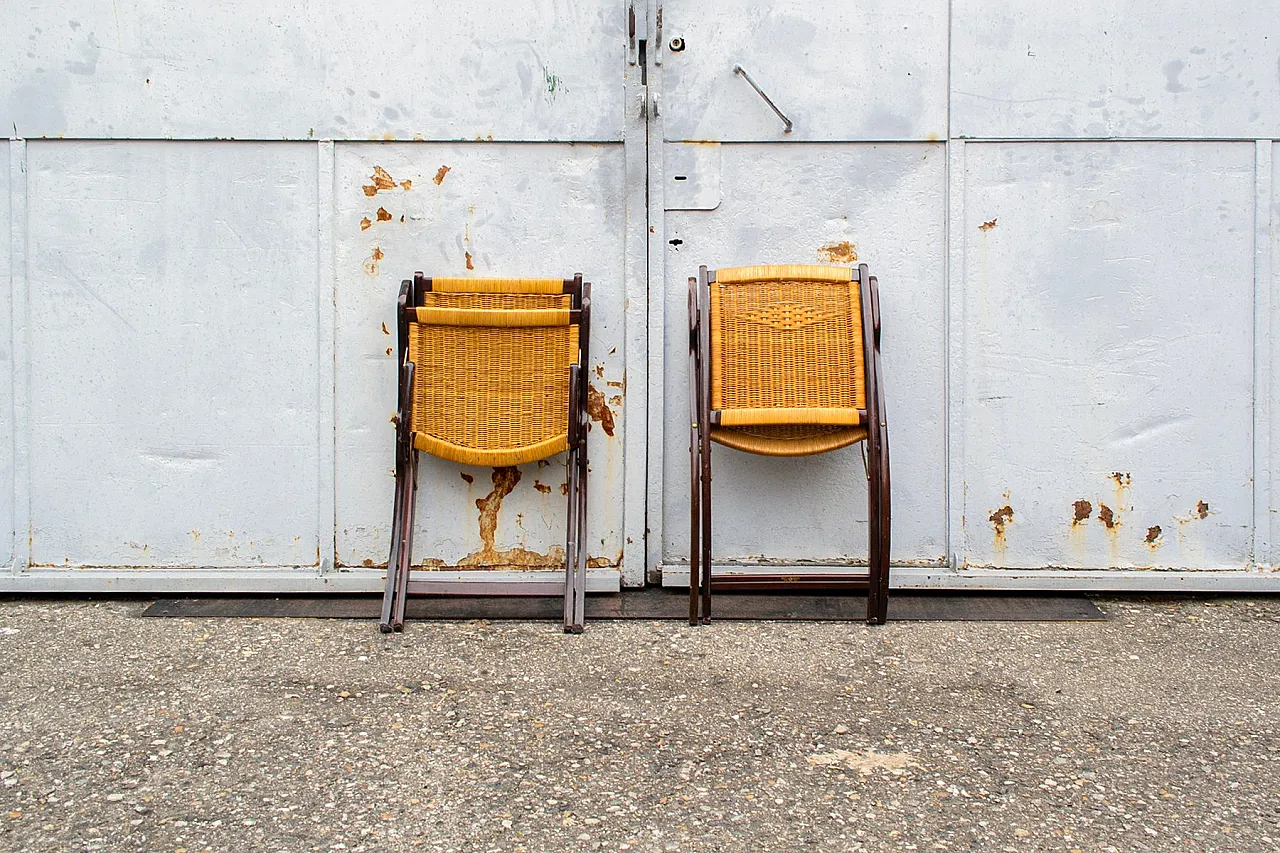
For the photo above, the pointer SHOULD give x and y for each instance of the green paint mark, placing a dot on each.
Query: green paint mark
(552, 83)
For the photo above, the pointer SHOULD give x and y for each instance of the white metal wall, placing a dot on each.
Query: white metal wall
(1071, 212)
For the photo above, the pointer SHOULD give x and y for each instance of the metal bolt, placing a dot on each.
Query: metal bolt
(677, 44)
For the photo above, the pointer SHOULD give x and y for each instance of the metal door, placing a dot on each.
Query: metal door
(841, 163)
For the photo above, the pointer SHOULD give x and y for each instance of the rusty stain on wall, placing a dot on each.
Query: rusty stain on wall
(542, 487)
(1107, 516)
(406, 185)
(1202, 509)
(1083, 509)
(381, 181)
(470, 265)
(365, 224)
(467, 477)
(843, 252)
(385, 330)
(599, 410)
(383, 215)
(504, 481)
(440, 173)
(988, 225)
(371, 265)
(1153, 536)
(1121, 479)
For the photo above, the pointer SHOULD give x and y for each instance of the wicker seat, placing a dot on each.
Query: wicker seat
(491, 373)
(785, 361)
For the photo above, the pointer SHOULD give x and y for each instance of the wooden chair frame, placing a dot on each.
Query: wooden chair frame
(702, 420)
(400, 584)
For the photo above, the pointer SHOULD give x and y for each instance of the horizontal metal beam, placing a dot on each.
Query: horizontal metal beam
(1030, 580)
(264, 580)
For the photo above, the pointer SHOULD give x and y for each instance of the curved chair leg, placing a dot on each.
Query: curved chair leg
(874, 507)
(405, 564)
(393, 561)
(882, 612)
(572, 539)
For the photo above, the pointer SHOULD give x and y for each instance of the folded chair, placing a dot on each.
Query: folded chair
(785, 361)
(491, 372)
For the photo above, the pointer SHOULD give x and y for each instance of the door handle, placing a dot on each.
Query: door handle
(786, 122)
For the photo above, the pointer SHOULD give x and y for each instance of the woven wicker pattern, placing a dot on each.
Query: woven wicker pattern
(784, 272)
(500, 301)
(785, 343)
(497, 317)
(486, 395)
(497, 285)
(788, 440)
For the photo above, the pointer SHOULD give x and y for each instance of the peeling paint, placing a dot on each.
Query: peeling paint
(988, 225)
(599, 410)
(1107, 517)
(383, 215)
(843, 252)
(381, 181)
(542, 487)
(366, 224)
(385, 330)
(371, 265)
(440, 173)
(1153, 536)
(1083, 509)
(1000, 519)
(470, 265)
(406, 185)
(1202, 509)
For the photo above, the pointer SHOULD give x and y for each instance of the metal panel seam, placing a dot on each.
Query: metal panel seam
(20, 343)
(1262, 356)
(953, 367)
(326, 357)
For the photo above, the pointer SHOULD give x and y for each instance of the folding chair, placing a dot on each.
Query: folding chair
(785, 361)
(492, 372)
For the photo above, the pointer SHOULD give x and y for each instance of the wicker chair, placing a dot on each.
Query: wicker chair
(785, 361)
(491, 373)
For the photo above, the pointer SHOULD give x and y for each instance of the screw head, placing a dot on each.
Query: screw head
(677, 44)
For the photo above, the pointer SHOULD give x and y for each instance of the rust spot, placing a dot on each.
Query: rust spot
(381, 181)
(440, 173)
(470, 266)
(1000, 518)
(564, 489)
(1202, 509)
(617, 385)
(1120, 479)
(504, 481)
(1153, 534)
(365, 224)
(543, 463)
(1107, 517)
(402, 219)
(598, 410)
(542, 487)
(406, 185)
(599, 563)
(987, 226)
(467, 477)
(615, 400)
(383, 216)
(368, 564)
(388, 350)
(600, 371)
(1083, 509)
(371, 265)
(385, 330)
(843, 252)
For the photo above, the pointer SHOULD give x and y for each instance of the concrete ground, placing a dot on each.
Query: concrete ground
(1156, 730)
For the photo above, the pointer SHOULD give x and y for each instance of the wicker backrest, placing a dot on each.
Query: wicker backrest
(491, 370)
(787, 338)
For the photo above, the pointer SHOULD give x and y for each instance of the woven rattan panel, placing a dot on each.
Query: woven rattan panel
(492, 389)
(788, 440)
(432, 299)
(789, 344)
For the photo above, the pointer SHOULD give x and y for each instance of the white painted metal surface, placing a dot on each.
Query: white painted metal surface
(1100, 68)
(839, 71)
(1108, 397)
(1114, 318)
(323, 69)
